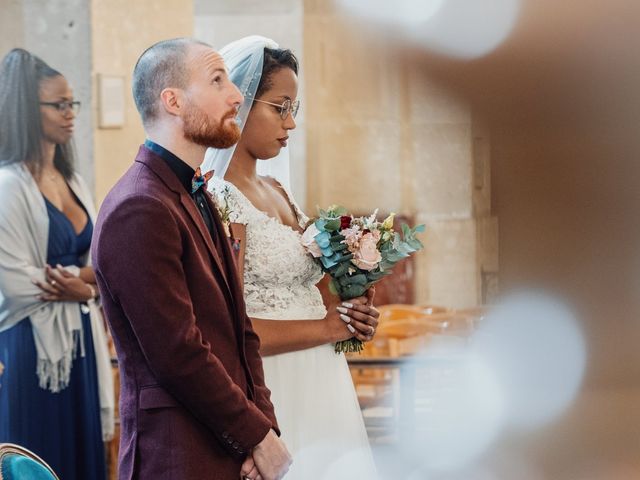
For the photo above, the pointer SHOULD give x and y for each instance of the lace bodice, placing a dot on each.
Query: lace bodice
(279, 276)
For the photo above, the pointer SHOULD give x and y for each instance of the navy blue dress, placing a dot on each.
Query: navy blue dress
(62, 428)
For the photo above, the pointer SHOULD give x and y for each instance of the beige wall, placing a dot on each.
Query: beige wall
(11, 25)
(382, 134)
(122, 30)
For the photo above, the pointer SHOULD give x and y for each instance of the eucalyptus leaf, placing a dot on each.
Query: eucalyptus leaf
(352, 291)
(341, 270)
(338, 247)
(332, 225)
(339, 210)
(333, 288)
(359, 279)
(327, 251)
(328, 262)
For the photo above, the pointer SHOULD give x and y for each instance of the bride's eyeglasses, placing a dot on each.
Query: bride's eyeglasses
(286, 107)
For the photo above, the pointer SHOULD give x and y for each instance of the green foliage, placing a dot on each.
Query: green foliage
(347, 280)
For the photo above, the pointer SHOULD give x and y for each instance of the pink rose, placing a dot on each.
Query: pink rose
(367, 257)
(309, 242)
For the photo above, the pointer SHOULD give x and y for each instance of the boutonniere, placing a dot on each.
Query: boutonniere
(224, 210)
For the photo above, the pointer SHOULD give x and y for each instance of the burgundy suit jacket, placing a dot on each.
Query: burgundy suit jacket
(193, 400)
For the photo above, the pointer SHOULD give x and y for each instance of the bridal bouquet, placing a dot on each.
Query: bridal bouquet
(357, 252)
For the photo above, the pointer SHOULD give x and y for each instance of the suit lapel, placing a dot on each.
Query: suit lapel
(222, 257)
(190, 206)
(227, 258)
(166, 175)
(236, 292)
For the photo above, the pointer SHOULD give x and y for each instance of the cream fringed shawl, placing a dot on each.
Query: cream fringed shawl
(57, 326)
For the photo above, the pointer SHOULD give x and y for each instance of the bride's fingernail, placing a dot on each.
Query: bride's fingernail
(345, 319)
(351, 329)
(342, 310)
(348, 305)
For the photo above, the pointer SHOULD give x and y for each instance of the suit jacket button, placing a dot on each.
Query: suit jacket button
(236, 445)
(225, 435)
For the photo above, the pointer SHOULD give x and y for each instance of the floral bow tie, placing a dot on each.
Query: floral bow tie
(200, 180)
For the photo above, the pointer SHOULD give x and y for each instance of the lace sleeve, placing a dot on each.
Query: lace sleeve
(226, 197)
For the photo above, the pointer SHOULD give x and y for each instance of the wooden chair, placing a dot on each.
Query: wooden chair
(112, 447)
(18, 463)
(403, 330)
(378, 373)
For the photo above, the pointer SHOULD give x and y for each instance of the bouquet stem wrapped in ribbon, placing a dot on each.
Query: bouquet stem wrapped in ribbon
(357, 252)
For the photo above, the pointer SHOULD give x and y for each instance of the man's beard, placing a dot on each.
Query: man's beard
(199, 129)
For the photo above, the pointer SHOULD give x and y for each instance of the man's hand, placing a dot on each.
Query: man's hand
(249, 471)
(271, 457)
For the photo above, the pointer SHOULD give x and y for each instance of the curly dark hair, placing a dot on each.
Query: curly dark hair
(275, 59)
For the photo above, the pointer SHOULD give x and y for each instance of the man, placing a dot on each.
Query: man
(193, 401)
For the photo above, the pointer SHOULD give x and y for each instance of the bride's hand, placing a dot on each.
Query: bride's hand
(337, 329)
(366, 299)
(361, 318)
(356, 317)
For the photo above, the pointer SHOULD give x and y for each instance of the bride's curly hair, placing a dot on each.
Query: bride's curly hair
(275, 59)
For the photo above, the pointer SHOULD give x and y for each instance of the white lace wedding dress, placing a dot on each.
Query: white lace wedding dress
(312, 390)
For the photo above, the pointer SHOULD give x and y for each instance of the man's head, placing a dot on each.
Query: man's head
(184, 82)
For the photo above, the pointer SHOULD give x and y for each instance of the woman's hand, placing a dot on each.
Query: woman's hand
(361, 319)
(62, 286)
(337, 329)
(355, 317)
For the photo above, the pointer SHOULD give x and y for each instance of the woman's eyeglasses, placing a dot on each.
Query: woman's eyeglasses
(287, 107)
(65, 106)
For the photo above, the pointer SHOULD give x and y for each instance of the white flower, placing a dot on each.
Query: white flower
(352, 236)
(309, 242)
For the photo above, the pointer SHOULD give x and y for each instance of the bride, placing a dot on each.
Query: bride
(312, 390)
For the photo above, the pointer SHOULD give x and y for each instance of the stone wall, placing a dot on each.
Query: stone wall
(382, 134)
(122, 30)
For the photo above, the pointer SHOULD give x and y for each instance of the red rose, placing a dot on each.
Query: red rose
(345, 221)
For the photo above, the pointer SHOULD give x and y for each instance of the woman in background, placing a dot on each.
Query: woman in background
(56, 397)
